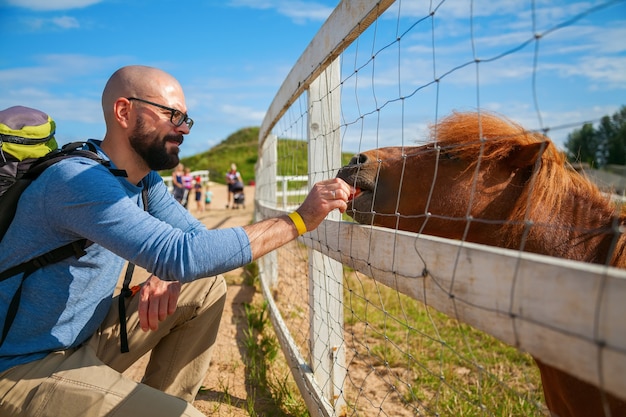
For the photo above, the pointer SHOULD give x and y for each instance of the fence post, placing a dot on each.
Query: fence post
(266, 194)
(284, 189)
(326, 274)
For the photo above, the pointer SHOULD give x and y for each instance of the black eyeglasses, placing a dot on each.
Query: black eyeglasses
(177, 117)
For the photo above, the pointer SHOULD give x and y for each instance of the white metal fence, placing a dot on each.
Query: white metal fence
(383, 322)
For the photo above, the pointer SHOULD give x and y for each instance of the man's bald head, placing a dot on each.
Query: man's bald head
(140, 134)
(138, 81)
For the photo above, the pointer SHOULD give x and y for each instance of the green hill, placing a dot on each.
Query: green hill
(241, 148)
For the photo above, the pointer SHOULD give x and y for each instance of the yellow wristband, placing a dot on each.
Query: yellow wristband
(297, 220)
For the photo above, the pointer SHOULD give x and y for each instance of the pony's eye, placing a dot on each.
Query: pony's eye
(448, 155)
(444, 153)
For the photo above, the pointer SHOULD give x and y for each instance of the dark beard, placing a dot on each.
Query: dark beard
(152, 149)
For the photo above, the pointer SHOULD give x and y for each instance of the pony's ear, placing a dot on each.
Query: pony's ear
(526, 155)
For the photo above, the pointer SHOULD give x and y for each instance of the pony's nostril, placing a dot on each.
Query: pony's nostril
(358, 159)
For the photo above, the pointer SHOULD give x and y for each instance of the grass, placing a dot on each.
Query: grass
(417, 358)
(431, 363)
(448, 367)
(273, 391)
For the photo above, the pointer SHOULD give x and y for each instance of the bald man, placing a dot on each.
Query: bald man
(62, 354)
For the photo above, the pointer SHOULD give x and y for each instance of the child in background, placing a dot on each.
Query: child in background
(208, 196)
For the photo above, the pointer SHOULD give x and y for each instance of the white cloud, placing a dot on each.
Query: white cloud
(298, 11)
(603, 72)
(70, 109)
(45, 85)
(301, 12)
(459, 9)
(52, 4)
(61, 22)
(59, 69)
(65, 22)
(244, 114)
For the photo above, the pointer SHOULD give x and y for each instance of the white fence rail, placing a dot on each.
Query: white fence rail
(285, 193)
(355, 346)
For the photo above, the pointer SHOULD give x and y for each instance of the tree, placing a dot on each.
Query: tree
(616, 128)
(600, 146)
(581, 145)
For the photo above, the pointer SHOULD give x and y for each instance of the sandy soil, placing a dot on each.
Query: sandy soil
(224, 392)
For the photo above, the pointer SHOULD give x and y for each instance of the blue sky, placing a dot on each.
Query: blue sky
(231, 56)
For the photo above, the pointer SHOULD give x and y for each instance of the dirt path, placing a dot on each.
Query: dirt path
(224, 392)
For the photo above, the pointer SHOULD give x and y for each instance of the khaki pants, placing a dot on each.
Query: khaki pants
(87, 381)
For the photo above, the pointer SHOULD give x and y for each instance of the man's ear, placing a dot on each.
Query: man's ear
(121, 111)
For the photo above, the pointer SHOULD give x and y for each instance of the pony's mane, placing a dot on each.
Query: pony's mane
(492, 137)
(484, 137)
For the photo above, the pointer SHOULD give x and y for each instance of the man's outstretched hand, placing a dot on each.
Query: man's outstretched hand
(324, 197)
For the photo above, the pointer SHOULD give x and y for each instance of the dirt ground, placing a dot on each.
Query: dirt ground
(224, 392)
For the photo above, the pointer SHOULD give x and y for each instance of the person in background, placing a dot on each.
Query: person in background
(187, 185)
(233, 180)
(197, 189)
(62, 354)
(177, 183)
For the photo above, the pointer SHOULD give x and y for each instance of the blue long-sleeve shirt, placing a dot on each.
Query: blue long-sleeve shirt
(64, 303)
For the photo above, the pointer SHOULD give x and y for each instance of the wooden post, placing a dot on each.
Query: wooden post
(266, 194)
(326, 274)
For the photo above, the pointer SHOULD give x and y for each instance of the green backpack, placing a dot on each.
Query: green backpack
(27, 148)
(25, 135)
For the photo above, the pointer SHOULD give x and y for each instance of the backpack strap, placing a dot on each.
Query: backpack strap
(75, 248)
(126, 291)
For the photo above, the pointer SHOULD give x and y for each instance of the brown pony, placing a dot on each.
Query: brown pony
(487, 180)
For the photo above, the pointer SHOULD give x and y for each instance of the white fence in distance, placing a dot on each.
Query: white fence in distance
(203, 173)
